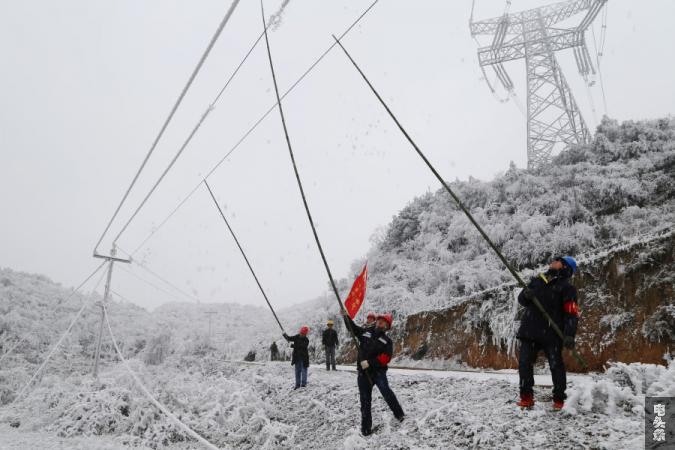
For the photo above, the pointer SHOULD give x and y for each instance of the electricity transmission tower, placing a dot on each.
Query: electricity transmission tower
(553, 117)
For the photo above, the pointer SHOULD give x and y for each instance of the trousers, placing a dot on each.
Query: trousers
(528, 355)
(379, 379)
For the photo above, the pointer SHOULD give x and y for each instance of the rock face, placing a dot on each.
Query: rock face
(628, 314)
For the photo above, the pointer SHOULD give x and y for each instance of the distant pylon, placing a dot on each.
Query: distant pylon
(553, 117)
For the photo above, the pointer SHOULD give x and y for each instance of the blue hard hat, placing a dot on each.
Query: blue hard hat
(571, 263)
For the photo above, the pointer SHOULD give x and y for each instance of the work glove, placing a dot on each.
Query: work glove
(285, 335)
(568, 342)
(364, 365)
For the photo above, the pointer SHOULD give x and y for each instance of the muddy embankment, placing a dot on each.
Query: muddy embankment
(628, 314)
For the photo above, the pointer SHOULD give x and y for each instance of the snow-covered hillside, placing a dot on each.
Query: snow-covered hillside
(620, 186)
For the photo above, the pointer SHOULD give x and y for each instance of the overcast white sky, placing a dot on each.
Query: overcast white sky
(85, 86)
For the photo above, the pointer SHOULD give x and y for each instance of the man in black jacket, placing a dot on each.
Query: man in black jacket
(300, 357)
(375, 351)
(329, 339)
(559, 298)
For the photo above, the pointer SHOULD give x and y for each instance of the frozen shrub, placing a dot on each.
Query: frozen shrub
(157, 349)
(660, 325)
(622, 389)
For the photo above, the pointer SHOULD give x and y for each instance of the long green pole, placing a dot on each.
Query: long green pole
(461, 205)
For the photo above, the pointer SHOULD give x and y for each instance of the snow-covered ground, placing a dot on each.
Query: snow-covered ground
(501, 375)
(237, 405)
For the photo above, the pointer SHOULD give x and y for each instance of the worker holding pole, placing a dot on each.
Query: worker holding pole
(559, 299)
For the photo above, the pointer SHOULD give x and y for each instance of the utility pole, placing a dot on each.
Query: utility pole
(210, 314)
(106, 295)
(553, 117)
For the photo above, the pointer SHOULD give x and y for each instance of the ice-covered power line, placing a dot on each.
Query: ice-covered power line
(168, 119)
(187, 141)
(599, 54)
(150, 397)
(145, 267)
(252, 128)
(276, 18)
(153, 285)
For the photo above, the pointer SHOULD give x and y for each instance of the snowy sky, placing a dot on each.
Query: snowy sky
(86, 86)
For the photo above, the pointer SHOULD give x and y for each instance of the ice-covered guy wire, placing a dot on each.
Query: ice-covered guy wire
(23, 338)
(53, 350)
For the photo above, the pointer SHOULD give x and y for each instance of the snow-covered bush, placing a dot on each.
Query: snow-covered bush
(661, 324)
(224, 407)
(622, 389)
(157, 349)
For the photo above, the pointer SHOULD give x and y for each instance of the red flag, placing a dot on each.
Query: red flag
(357, 294)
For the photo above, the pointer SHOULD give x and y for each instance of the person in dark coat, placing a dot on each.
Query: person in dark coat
(330, 341)
(375, 352)
(274, 352)
(558, 297)
(300, 356)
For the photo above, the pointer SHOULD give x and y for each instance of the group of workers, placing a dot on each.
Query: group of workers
(553, 290)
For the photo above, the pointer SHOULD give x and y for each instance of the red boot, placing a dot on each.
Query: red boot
(558, 405)
(526, 401)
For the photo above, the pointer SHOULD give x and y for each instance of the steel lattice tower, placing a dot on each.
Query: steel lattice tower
(553, 117)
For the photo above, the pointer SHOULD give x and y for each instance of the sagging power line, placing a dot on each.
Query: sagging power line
(199, 438)
(178, 102)
(182, 148)
(255, 125)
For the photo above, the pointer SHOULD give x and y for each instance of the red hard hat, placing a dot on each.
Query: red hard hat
(387, 318)
(304, 330)
(371, 314)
